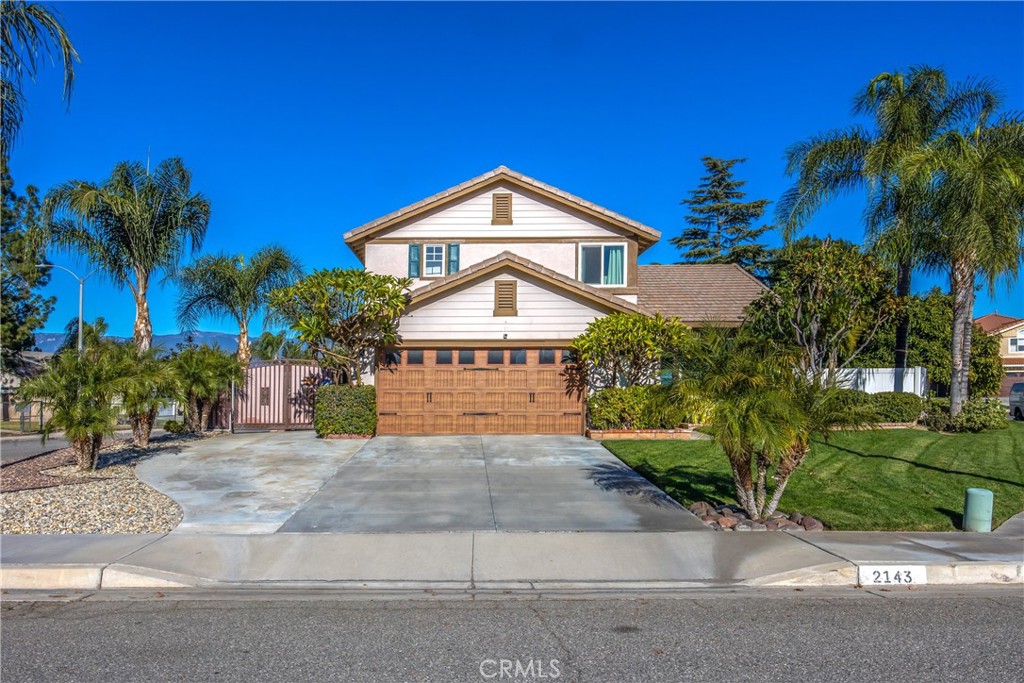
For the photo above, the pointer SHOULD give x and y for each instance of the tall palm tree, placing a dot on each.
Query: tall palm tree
(132, 225)
(220, 286)
(29, 32)
(977, 201)
(909, 111)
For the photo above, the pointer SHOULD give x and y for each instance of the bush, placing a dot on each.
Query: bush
(896, 406)
(174, 427)
(344, 409)
(637, 407)
(977, 415)
(851, 398)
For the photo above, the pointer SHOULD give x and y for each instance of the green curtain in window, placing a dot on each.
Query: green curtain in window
(613, 265)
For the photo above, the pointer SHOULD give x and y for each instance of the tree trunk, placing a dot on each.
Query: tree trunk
(204, 415)
(244, 348)
(143, 428)
(95, 444)
(783, 472)
(192, 414)
(903, 276)
(961, 286)
(143, 334)
(762, 492)
(744, 481)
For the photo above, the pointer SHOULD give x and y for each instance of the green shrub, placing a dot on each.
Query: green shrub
(344, 409)
(174, 427)
(979, 415)
(936, 415)
(896, 406)
(636, 407)
(850, 398)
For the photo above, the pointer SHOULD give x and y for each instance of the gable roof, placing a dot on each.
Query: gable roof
(508, 260)
(698, 293)
(646, 235)
(994, 323)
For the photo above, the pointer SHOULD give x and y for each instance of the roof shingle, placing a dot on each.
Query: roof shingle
(698, 293)
(994, 322)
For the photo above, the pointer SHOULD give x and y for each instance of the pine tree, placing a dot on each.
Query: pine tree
(719, 226)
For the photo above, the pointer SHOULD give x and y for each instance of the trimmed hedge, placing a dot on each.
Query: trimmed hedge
(976, 415)
(647, 406)
(896, 406)
(345, 409)
(174, 427)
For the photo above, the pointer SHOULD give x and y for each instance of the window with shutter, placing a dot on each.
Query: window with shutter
(501, 208)
(414, 260)
(453, 259)
(505, 297)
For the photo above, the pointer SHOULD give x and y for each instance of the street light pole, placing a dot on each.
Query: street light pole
(81, 294)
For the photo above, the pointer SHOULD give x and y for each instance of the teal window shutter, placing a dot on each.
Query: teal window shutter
(414, 260)
(453, 258)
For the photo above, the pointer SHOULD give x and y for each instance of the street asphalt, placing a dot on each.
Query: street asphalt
(17, 448)
(924, 635)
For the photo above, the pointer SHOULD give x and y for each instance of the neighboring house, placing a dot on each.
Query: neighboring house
(1011, 346)
(27, 365)
(506, 271)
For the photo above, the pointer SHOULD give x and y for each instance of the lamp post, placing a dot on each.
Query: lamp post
(81, 293)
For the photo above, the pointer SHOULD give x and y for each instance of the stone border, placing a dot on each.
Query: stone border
(638, 434)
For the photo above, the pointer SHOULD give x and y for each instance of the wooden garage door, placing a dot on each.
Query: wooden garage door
(477, 391)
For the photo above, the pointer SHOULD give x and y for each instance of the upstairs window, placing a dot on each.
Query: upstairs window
(501, 208)
(603, 264)
(1017, 343)
(433, 260)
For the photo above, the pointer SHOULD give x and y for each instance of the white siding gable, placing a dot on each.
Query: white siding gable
(467, 313)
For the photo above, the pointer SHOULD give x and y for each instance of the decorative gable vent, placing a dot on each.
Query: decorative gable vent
(501, 208)
(505, 298)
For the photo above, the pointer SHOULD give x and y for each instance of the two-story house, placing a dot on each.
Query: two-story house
(506, 271)
(1011, 346)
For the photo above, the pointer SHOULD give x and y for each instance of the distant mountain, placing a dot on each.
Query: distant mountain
(49, 342)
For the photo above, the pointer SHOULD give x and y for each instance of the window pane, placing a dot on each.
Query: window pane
(496, 356)
(517, 357)
(443, 358)
(614, 266)
(547, 356)
(568, 356)
(392, 358)
(590, 265)
(467, 356)
(414, 357)
(433, 260)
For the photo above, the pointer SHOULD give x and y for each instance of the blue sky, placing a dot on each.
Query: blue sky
(301, 121)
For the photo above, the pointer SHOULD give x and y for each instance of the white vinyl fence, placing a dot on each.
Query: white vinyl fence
(877, 380)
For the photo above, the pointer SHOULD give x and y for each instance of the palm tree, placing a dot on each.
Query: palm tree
(977, 204)
(909, 111)
(28, 33)
(147, 384)
(132, 225)
(221, 285)
(203, 373)
(270, 346)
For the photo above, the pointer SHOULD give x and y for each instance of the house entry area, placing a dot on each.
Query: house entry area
(500, 390)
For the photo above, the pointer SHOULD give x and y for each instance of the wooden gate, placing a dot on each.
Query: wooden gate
(277, 394)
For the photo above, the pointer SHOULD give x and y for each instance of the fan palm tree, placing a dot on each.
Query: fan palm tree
(270, 346)
(147, 384)
(29, 32)
(909, 111)
(203, 374)
(220, 285)
(977, 187)
(132, 225)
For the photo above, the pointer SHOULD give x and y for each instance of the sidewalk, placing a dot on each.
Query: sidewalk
(480, 561)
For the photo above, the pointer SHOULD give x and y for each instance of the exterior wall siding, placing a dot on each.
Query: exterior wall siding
(468, 314)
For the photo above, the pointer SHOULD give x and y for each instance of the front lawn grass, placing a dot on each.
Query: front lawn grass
(875, 480)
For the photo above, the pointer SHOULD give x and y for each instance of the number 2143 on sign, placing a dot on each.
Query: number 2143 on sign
(892, 575)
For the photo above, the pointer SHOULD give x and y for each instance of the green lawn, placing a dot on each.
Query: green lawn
(894, 479)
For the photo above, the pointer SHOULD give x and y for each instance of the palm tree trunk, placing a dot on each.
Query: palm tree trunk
(143, 333)
(144, 429)
(244, 347)
(961, 286)
(204, 419)
(903, 277)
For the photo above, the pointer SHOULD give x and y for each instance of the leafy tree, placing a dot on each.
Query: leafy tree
(21, 237)
(78, 390)
(626, 349)
(28, 34)
(221, 285)
(344, 317)
(270, 346)
(720, 224)
(828, 299)
(132, 225)
(760, 410)
(909, 111)
(977, 232)
(931, 334)
(203, 374)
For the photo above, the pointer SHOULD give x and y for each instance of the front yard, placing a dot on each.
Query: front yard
(894, 479)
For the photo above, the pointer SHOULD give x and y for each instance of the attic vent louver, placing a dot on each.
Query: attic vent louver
(501, 208)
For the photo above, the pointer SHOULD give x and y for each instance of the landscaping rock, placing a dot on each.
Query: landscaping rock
(758, 526)
(744, 525)
(795, 517)
(707, 519)
(726, 522)
(778, 515)
(701, 508)
(811, 524)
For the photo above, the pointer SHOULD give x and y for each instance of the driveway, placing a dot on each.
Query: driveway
(488, 483)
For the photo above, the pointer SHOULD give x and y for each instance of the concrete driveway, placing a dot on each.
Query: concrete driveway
(488, 483)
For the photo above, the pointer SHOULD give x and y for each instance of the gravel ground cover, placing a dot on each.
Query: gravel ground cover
(47, 494)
